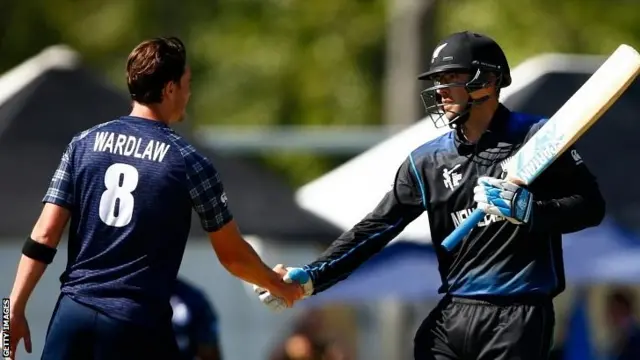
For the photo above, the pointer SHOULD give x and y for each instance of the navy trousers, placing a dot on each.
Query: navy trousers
(79, 332)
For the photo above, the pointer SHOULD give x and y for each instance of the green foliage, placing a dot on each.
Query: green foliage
(288, 62)
(269, 62)
(257, 63)
(526, 28)
(291, 62)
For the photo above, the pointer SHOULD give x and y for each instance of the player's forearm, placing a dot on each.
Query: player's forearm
(38, 251)
(569, 214)
(350, 251)
(394, 212)
(245, 263)
(29, 273)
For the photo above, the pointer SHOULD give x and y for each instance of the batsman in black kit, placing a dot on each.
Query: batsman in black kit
(498, 284)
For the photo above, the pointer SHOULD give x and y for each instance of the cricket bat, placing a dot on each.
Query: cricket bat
(565, 127)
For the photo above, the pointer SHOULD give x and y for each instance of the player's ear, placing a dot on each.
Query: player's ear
(492, 79)
(168, 90)
(493, 84)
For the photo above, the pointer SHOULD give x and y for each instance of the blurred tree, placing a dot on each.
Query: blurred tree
(255, 63)
(529, 27)
(291, 62)
(267, 62)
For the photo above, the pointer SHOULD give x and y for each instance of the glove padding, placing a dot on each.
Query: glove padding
(276, 304)
(504, 198)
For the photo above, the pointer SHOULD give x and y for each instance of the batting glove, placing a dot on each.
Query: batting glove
(504, 198)
(293, 275)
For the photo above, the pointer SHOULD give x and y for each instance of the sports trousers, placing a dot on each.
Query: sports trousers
(79, 332)
(486, 329)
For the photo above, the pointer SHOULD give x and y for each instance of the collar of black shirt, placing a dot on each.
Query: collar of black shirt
(496, 132)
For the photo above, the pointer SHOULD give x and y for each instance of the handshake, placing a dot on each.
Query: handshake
(295, 285)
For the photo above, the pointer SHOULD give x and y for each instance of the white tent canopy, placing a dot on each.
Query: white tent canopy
(346, 194)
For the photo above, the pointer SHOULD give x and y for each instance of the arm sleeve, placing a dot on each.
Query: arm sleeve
(61, 190)
(401, 205)
(575, 203)
(207, 192)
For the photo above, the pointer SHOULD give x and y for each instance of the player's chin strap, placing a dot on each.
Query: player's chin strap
(461, 118)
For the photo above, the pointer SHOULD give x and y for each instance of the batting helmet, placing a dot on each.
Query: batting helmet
(466, 52)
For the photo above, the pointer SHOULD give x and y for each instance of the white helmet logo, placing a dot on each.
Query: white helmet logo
(436, 52)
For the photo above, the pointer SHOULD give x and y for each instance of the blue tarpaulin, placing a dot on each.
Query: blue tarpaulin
(606, 253)
(579, 343)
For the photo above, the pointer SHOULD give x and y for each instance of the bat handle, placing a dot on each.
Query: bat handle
(451, 241)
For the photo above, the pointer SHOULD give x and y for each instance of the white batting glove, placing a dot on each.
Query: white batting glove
(504, 198)
(293, 275)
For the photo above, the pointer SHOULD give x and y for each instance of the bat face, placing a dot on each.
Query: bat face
(577, 115)
(538, 153)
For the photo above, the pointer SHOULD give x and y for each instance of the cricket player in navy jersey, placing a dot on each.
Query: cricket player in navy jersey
(499, 284)
(127, 187)
(195, 323)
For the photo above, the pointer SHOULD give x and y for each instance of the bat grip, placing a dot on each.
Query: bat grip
(463, 229)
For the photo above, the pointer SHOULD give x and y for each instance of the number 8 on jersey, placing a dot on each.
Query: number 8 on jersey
(116, 203)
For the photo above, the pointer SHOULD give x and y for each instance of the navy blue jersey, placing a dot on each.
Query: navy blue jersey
(195, 322)
(497, 258)
(131, 185)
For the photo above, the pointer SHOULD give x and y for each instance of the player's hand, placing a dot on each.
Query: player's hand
(297, 276)
(289, 292)
(504, 198)
(280, 270)
(289, 275)
(19, 330)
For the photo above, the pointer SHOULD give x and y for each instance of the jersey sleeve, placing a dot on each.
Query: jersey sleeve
(207, 192)
(571, 199)
(61, 189)
(399, 207)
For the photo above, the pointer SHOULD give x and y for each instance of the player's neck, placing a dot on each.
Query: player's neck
(149, 112)
(479, 120)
